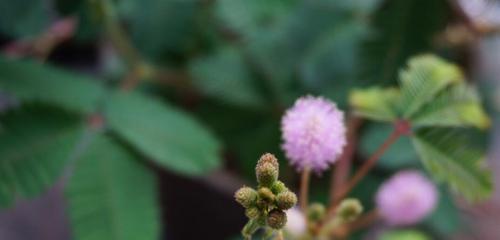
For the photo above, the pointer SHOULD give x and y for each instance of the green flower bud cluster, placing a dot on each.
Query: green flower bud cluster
(349, 209)
(315, 215)
(316, 212)
(265, 207)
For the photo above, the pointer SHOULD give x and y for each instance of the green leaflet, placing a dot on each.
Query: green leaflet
(425, 77)
(448, 156)
(376, 103)
(33, 82)
(111, 195)
(404, 235)
(168, 136)
(434, 95)
(34, 146)
(458, 106)
(226, 76)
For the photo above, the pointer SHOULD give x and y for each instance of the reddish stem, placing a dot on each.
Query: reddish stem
(401, 127)
(304, 189)
(343, 167)
(364, 221)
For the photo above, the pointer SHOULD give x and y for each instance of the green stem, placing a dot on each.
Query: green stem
(117, 35)
(279, 235)
(249, 229)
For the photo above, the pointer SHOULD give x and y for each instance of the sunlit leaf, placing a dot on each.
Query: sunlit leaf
(376, 103)
(404, 235)
(449, 157)
(458, 106)
(425, 77)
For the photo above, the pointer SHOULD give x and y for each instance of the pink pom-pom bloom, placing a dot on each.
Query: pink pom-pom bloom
(406, 198)
(296, 224)
(313, 133)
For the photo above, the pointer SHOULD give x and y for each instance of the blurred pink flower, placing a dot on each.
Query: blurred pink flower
(313, 132)
(406, 198)
(296, 224)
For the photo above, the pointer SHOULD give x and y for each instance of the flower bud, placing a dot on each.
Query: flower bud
(261, 204)
(276, 219)
(316, 211)
(266, 195)
(349, 209)
(268, 158)
(252, 212)
(278, 187)
(266, 173)
(286, 200)
(246, 196)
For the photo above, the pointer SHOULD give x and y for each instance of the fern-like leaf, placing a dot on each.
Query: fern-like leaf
(34, 146)
(425, 77)
(111, 195)
(30, 81)
(165, 134)
(458, 106)
(448, 156)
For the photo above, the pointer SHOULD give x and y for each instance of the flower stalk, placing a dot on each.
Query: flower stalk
(343, 167)
(304, 189)
(401, 127)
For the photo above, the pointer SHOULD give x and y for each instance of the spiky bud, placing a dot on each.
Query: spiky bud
(349, 209)
(261, 204)
(276, 219)
(268, 158)
(286, 200)
(316, 211)
(266, 195)
(267, 174)
(252, 212)
(278, 187)
(246, 196)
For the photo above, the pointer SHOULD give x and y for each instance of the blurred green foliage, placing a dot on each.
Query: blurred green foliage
(245, 62)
